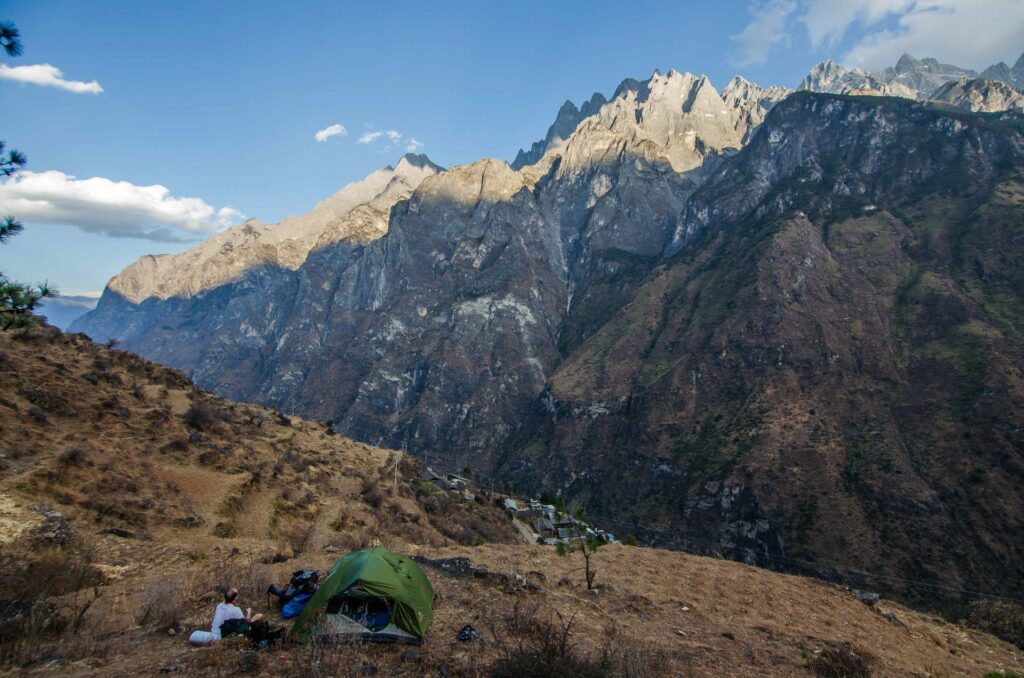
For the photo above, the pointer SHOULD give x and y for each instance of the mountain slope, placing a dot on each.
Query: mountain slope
(775, 352)
(831, 365)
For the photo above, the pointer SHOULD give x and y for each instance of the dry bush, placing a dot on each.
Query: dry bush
(162, 606)
(371, 493)
(298, 536)
(203, 416)
(325, 656)
(46, 603)
(1002, 618)
(534, 642)
(839, 661)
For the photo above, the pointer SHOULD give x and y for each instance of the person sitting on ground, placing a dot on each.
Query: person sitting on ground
(228, 611)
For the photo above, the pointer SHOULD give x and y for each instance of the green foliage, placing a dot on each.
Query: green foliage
(10, 39)
(429, 488)
(10, 161)
(17, 300)
(582, 543)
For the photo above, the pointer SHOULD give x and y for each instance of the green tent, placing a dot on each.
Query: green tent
(374, 594)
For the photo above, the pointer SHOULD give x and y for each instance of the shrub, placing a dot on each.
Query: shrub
(839, 661)
(371, 493)
(534, 643)
(1002, 618)
(162, 606)
(73, 457)
(203, 416)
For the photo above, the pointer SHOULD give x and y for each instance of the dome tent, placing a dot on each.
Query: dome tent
(374, 594)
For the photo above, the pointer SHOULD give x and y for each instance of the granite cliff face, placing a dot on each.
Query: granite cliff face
(808, 348)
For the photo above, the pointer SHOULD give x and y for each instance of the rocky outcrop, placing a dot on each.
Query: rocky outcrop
(830, 77)
(750, 103)
(923, 79)
(568, 119)
(680, 112)
(980, 96)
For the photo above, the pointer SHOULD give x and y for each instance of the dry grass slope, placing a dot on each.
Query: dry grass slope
(127, 496)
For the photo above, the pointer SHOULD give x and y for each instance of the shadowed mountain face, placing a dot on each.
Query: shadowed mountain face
(809, 348)
(830, 365)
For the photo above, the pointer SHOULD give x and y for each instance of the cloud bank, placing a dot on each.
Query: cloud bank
(331, 131)
(875, 33)
(766, 30)
(117, 209)
(47, 76)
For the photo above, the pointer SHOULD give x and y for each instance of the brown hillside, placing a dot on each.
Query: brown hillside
(163, 492)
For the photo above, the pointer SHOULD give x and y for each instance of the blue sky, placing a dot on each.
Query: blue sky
(220, 102)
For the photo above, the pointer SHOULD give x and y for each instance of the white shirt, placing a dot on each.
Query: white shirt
(224, 612)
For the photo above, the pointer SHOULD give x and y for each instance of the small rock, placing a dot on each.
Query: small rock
(368, 670)
(685, 609)
(250, 662)
(171, 632)
(893, 619)
(443, 670)
(410, 656)
(869, 598)
(680, 632)
(728, 634)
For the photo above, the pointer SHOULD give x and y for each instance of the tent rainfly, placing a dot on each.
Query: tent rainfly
(375, 595)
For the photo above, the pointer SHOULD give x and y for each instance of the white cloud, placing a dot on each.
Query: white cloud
(48, 76)
(766, 30)
(117, 209)
(394, 135)
(413, 145)
(969, 33)
(331, 131)
(827, 21)
(370, 137)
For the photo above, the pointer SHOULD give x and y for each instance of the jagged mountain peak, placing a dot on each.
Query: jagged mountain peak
(418, 161)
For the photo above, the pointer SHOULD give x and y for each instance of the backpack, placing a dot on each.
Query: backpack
(302, 582)
(294, 606)
(234, 627)
(261, 636)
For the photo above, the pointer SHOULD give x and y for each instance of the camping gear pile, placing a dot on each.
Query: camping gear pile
(374, 595)
(294, 597)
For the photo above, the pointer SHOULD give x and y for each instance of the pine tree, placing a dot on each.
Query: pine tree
(17, 300)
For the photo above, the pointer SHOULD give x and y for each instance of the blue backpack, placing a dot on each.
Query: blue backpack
(294, 606)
